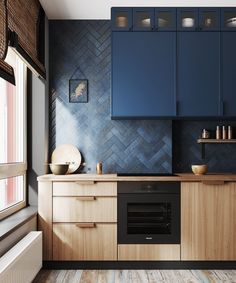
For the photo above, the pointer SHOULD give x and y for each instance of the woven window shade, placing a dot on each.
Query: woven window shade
(6, 71)
(23, 22)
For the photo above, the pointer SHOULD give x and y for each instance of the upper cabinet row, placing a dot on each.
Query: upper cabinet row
(188, 72)
(171, 19)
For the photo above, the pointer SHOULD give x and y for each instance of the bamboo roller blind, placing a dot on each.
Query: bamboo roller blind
(6, 71)
(23, 22)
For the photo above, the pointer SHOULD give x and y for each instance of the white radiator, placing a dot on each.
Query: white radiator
(22, 262)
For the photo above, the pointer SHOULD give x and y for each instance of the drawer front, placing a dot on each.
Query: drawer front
(85, 209)
(72, 242)
(85, 188)
(149, 252)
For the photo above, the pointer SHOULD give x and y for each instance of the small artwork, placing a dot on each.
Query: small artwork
(78, 91)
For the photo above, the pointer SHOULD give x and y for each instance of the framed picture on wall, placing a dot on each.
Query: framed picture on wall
(78, 91)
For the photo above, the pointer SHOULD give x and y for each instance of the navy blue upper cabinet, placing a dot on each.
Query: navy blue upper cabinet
(209, 19)
(165, 19)
(228, 102)
(143, 74)
(121, 19)
(228, 19)
(143, 19)
(198, 19)
(198, 74)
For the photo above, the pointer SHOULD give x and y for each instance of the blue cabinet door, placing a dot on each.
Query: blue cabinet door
(198, 74)
(165, 19)
(143, 19)
(228, 19)
(187, 19)
(143, 74)
(121, 19)
(228, 43)
(209, 19)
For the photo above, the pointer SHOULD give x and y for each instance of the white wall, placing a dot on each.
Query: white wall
(101, 9)
(38, 139)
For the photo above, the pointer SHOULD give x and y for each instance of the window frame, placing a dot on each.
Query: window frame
(8, 170)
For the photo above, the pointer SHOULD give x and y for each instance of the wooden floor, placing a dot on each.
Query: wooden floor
(136, 276)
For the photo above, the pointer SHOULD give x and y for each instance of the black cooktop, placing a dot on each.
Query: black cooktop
(145, 174)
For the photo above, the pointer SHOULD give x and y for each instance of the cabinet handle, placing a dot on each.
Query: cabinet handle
(85, 183)
(86, 225)
(86, 198)
(213, 182)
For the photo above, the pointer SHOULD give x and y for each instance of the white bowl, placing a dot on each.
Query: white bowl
(187, 22)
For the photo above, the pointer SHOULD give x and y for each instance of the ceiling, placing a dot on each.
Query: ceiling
(100, 9)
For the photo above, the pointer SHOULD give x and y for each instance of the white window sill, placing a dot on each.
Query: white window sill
(16, 220)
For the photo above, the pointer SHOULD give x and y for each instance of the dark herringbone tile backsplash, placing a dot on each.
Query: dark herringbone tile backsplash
(82, 50)
(186, 151)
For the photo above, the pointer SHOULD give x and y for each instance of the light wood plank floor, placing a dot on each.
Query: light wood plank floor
(136, 276)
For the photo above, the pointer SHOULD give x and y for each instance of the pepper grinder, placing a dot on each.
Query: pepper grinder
(99, 168)
(218, 135)
(230, 132)
(224, 133)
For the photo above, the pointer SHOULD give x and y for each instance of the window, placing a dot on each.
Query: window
(13, 139)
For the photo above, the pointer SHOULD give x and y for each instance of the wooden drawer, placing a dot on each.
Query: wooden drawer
(85, 188)
(72, 242)
(84, 209)
(149, 252)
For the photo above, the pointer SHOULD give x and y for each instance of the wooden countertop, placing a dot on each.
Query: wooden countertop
(183, 177)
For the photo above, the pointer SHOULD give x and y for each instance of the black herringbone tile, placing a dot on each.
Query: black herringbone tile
(82, 49)
(186, 151)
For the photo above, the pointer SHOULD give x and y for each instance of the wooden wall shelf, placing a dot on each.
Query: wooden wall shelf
(213, 141)
(216, 141)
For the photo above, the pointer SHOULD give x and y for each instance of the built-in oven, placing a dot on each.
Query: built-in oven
(149, 212)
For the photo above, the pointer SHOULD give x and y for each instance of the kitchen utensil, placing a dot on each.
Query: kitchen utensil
(67, 153)
(59, 169)
(187, 22)
(230, 133)
(199, 169)
(218, 133)
(99, 168)
(205, 134)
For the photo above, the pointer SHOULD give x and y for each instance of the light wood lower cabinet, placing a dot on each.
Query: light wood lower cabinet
(208, 221)
(148, 252)
(91, 242)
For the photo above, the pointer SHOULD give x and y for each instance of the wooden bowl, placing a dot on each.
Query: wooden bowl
(59, 169)
(199, 169)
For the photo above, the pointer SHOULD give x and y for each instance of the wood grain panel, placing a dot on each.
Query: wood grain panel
(45, 217)
(149, 252)
(73, 209)
(84, 188)
(208, 221)
(71, 242)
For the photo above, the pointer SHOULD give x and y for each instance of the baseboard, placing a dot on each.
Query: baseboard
(139, 264)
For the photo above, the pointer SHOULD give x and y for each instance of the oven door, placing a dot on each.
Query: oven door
(148, 218)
